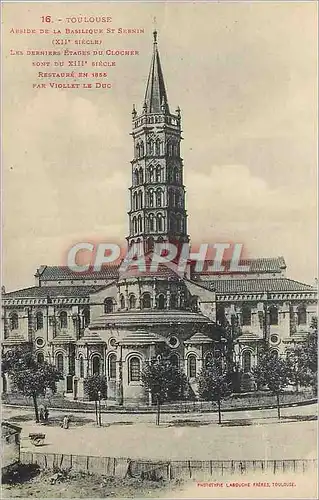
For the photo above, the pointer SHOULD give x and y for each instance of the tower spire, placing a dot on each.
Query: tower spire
(155, 95)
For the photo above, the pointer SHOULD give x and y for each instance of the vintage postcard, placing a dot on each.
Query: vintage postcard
(159, 290)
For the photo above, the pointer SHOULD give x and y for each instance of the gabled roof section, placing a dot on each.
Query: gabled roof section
(59, 273)
(198, 338)
(257, 285)
(256, 266)
(53, 291)
(205, 294)
(155, 95)
(141, 337)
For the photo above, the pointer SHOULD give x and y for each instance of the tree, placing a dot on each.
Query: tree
(303, 359)
(274, 372)
(165, 382)
(28, 376)
(95, 387)
(214, 384)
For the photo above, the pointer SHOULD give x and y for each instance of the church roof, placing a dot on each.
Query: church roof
(15, 338)
(256, 285)
(155, 94)
(140, 337)
(90, 337)
(56, 273)
(256, 266)
(53, 291)
(198, 338)
(63, 337)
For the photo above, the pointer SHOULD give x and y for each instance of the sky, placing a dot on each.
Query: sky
(244, 76)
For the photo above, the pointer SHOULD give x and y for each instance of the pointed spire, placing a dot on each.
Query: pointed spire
(155, 95)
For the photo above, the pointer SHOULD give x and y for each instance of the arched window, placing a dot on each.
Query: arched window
(63, 319)
(146, 301)
(171, 198)
(151, 198)
(158, 173)
(302, 315)
(39, 321)
(14, 321)
(135, 201)
(81, 363)
(150, 244)
(246, 361)
(59, 360)
(135, 177)
(96, 364)
(139, 223)
(40, 357)
(132, 301)
(140, 176)
(178, 223)
(134, 369)
(159, 223)
(191, 366)
(151, 173)
(140, 199)
(158, 147)
(122, 301)
(112, 366)
(150, 145)
(141, 148)
(161, 302)
(108, 305)
(273, 315)
(86, 317)
(274, 353)
(159, 197)
(134, 225)
(173, 223)
(174, 359)
(151, 223)
(246, 315)
(173, 301)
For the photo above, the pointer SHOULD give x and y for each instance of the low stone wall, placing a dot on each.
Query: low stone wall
(154, 470)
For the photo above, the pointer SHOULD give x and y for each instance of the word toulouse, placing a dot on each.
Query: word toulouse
(174, 256)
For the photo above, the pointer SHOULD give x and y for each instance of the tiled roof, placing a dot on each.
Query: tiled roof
(54, 291)
(140, 337)
(63, 337)
(15, 338)
(90, 337)
(160, 270)
(52, 273)
(148, 317)
(198, 338)
(261, 265)
(249, 337)
(256, 285)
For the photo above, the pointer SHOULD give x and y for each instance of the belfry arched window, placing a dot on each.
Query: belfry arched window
(302, 315)
(191, 366)
(146, 301)
(139, 224)
(63, 319)
(158, 173)
(39, 320)
(159, 197)
(14, 321)
(151, 223)
(151, 173)
(151, 198)
(134, 225)
(140, 199)
(158, 147)
(140, 176)
(134, 369)
(150, 244)
(173, 301)
(135, 200)
(159, 223)
(141, 149)
(150, 145)
(246, 361)
(86, 316)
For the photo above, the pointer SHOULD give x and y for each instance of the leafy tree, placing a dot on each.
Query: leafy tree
(303, 359)
(165, 382)
(28, 376)
(274, 372)
(214, 384)
(95, 387)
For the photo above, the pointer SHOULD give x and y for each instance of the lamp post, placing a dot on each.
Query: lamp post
(99, 396)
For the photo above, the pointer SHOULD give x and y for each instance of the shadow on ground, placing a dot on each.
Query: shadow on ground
(21, 474)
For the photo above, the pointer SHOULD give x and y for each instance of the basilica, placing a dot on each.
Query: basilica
(112, 321)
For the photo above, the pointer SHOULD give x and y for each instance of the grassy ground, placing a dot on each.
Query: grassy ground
(32, 482)
(260, 399)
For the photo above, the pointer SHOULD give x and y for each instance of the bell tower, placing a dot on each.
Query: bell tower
(157, 194)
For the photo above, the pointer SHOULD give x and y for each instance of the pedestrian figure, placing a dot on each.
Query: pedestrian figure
(66, 421)
(46, 413)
